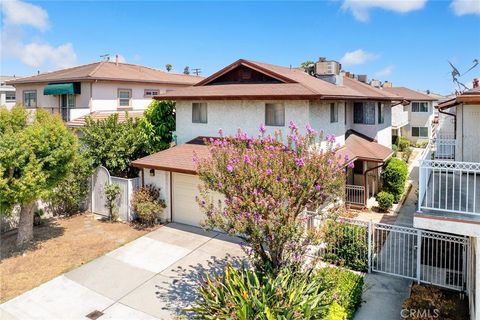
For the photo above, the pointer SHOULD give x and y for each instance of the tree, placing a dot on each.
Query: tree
(266, 186)
(186, 70)
(158, 124)
(114, 144)
(36, 153)
(304, 65)
(168, 66)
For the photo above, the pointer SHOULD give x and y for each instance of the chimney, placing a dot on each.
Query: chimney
(476, 82)
(362, 78)
(387, 84)
(116, 59)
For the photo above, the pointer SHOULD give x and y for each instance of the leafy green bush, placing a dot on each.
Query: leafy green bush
(406, 154)
(385, 200)
(69, 196)
(394, 176)
(112, 191)
(402, 144)
(247, 294)
(158, 124)
(346, 245)
(343, 289)
(147, 204)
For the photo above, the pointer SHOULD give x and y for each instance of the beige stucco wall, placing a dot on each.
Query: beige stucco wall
(418, 119)
(468, 133)
(319, 118)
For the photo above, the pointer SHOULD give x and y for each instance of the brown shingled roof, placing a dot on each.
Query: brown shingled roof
(176, 159)
(358, 146)
(96, 116)
(111, 71)
(409, 94)
(296, 85)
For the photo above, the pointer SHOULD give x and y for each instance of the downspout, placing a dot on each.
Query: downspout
(365, 180)
(454, 123)
(171, 197)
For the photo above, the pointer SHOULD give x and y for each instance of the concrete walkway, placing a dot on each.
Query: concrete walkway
(153, 277)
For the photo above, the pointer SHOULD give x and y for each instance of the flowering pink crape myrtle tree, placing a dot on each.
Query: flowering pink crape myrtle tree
(266, 185)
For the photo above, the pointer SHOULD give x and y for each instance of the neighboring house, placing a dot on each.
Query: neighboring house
(7, 92)
(449, 185)
(247, 94)
(413, 117)
(100, 87)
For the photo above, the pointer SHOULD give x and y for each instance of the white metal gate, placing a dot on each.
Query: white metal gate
(424, 256)
(100, 179)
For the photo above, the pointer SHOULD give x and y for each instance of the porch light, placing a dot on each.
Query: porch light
(152, 172)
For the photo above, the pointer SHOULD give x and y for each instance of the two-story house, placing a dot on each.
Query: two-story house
(247, 94)
(412, 117)
(97, 89)
(449, 184)
(7, 92)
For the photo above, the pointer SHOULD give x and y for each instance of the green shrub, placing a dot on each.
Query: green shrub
(328, 293)
(394, 176)
(346, 245)
(112, 191)
(406, 154)
(38, 217)
(385, 200)
(343, 287)
(147, 204)
(402, 143)
(69, 196)
(394, 149)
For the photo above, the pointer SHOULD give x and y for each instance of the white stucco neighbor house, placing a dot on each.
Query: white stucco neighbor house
(245, 95)
(414, 116)
(7, 92)
(96, 89)
(449, 184)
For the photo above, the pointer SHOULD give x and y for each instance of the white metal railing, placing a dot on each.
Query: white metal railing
(399, 118)
(446, 185)
(355, 194)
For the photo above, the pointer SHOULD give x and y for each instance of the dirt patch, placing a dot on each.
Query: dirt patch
(428, 302)
(59, 246)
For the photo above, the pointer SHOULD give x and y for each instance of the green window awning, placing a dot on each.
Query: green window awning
(62, 88)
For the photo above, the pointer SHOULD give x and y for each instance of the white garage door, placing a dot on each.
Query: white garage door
(185, 207)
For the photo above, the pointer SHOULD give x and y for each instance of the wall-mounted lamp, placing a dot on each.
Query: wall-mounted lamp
(152, 172)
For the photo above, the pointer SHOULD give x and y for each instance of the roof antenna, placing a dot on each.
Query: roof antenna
(290, 67)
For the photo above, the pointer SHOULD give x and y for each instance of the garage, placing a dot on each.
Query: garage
(185, 208)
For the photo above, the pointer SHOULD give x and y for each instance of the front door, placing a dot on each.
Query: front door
(64, 107)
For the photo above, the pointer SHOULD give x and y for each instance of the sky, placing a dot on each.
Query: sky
(407, 42)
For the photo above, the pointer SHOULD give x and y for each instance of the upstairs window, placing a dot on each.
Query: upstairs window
(151, 93)
(381, 113)
(30, 98)
(124, 97)
(419, 107)
(364, 113)
(10, 96)
(333, 112)
(275, 114)
(421, 132)
(199, 112)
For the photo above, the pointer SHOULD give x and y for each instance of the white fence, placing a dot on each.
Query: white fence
(428, 257)
(100, 179)
(355, 195)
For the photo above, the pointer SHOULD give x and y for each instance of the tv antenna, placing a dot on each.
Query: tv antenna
(196, 71)
(456, 74)
(105, 57)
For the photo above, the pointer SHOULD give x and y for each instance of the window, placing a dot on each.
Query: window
(124, 96)
(199, 112)
(151, 92)
(10, 96)
(274, 114)
(421, 132)
(30, 98)
(333, 112)
(419, 107)
(381, 115)
(364, 112)
(71, 101)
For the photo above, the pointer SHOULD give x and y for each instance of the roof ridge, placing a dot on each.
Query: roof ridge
(95, 69)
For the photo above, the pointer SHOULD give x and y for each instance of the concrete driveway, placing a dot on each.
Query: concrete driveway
(152, 277)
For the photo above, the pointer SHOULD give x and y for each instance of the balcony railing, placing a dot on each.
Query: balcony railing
(446, 185)
(355, 195)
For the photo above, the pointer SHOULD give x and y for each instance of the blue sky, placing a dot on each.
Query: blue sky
(407, 42)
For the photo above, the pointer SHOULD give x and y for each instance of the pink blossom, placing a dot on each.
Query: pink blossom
(317, 187)
(351, 165)
(220, 132)
(229, 168)
(299, 162)
(310, 130)
(269, 171)
(292, 125)
(330, 138)
(262, 129)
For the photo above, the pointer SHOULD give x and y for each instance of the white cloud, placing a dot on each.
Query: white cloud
(463, 7)
(360, 8)
(358, 56)
(22, 13)
(33, 53)
(385, 72)
(36, 54)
